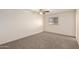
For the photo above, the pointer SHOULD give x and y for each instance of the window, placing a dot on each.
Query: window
(53, 20)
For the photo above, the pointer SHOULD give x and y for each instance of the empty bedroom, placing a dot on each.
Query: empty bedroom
(38, 29)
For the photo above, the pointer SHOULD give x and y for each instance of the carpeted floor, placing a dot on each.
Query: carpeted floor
(44, 40)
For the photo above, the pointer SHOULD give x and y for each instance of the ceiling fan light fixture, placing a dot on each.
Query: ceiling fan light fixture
(41, 13)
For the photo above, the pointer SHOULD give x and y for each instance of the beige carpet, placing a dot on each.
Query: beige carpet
(44, 40)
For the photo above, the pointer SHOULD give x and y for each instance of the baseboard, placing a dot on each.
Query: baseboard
(20, 37)
(34, 34)
(61, 34)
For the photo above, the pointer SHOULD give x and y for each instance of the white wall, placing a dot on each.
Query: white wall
(66, 24)
(77, 25)
(15, 24)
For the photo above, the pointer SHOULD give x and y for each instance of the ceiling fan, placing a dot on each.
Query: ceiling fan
(41, 11)
(44, 11)
(47, 11)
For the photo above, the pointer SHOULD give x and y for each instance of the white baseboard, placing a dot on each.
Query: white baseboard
(61, 34)
(21, 37)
